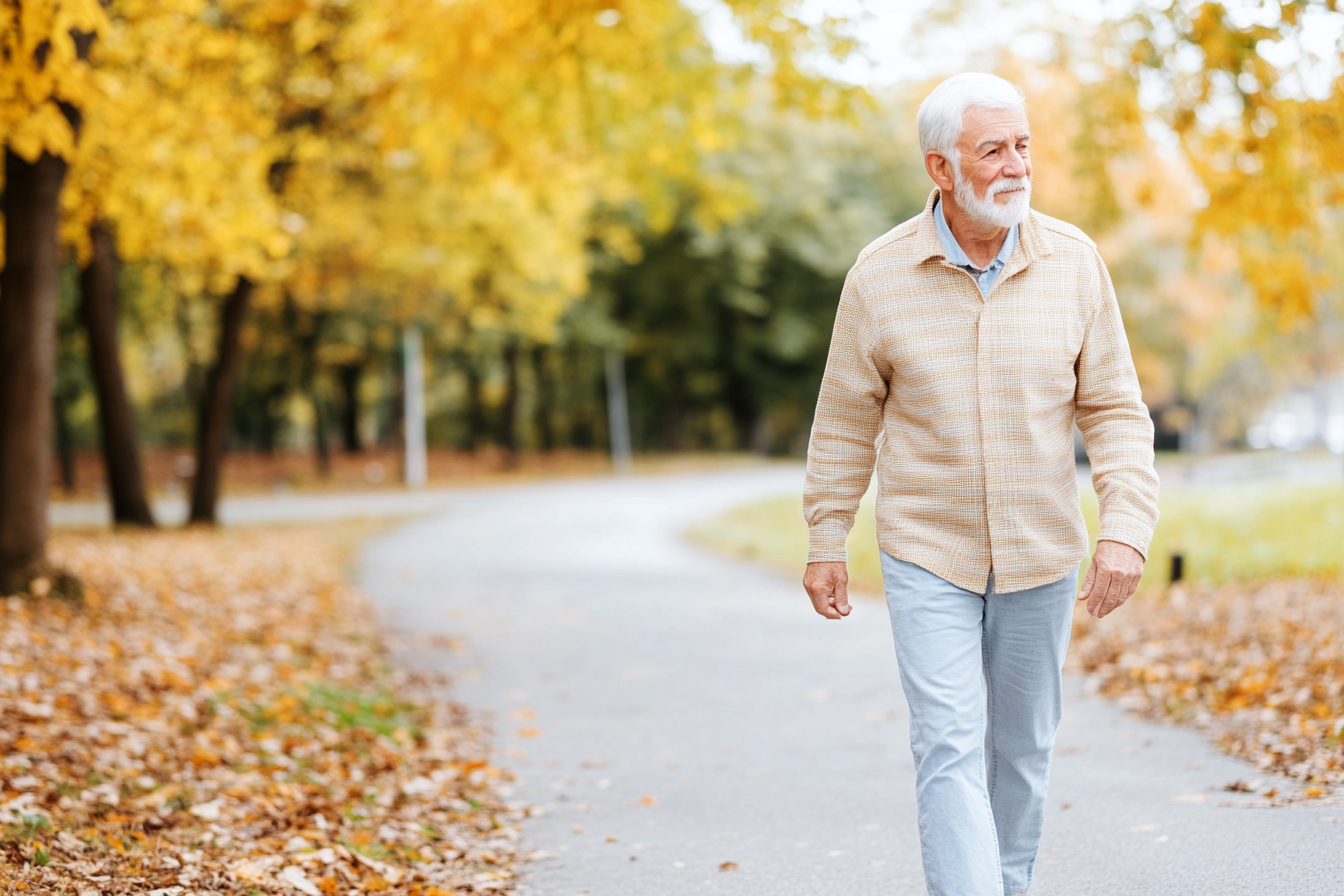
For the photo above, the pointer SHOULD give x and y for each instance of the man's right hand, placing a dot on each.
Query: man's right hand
(828, 586)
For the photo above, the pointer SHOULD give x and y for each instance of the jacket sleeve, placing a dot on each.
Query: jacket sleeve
(1116, 426)
(842, 450)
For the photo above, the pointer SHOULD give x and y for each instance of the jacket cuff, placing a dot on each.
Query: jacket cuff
(1126, 529)
(826, 542)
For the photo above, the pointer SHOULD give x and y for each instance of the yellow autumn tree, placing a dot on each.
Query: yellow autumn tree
(414, 157)
(172, 173)
(574, 124)
(44, 88)
(446, 159)
(1265, 148)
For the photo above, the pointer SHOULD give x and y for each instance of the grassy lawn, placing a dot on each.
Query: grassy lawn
(1227, 533)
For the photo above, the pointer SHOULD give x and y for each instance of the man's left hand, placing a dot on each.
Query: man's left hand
(1111, 578)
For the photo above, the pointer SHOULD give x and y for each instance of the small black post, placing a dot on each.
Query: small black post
(1177, 568)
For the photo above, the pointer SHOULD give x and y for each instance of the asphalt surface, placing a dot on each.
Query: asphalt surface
(668, 711)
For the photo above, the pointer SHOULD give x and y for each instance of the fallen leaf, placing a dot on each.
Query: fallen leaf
(207, 811)
(1189, 798)
(1254, 666)
(249, 872)
(393, 875)
(294, 876)
(237, 665)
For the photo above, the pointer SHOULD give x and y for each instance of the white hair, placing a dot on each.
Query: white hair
(941, 114)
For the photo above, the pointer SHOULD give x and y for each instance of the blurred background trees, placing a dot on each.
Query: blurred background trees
(223, 215)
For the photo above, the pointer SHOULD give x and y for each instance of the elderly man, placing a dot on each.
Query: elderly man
(967, 343)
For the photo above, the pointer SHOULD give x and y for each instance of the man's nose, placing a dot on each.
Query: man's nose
(1014, 165)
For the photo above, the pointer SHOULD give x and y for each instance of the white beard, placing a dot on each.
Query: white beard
(987, 211)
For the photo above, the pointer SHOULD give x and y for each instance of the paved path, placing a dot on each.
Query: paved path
(670, 711)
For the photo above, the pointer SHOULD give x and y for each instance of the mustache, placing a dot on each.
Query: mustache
(1008, 184)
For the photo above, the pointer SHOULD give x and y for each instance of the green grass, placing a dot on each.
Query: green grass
(1245, 531)
(380, 712)
(773, 532)
(1233, 532)
(343, 708)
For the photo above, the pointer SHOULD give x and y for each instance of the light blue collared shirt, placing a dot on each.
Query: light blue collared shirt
(952, 249)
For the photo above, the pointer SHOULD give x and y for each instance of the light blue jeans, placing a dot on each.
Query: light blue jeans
(982, 674)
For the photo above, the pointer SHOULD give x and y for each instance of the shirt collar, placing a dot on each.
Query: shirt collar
(1032, 242)
(952, 249)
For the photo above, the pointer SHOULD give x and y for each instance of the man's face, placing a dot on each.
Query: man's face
(993, 146)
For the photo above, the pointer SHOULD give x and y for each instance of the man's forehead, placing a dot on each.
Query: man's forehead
(981, 124)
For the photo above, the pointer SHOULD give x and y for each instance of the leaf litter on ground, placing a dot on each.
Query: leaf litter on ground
(216, 717)
(1259, 667)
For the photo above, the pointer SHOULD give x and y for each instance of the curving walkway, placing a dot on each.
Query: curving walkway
(670, 711)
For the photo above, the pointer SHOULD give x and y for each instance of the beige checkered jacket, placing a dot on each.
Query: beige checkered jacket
(972, 403)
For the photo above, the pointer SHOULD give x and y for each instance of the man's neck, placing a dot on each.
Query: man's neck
(981, 242)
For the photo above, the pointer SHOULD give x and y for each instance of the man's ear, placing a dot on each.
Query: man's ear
(939, 168)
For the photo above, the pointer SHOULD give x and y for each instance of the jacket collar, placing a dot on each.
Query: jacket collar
(1032, 242)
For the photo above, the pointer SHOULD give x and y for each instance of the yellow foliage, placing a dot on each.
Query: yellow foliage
(419, 155)
(1267, 154)
(40, 68)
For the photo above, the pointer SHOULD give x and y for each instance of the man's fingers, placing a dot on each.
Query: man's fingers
(1111, 597)
(1112, 577)
(1097, 593)
(825, 585)
(1088, 579)
(826, 602)
(833, 602)
(841, 595)
(1104, 597)
(1128, 585)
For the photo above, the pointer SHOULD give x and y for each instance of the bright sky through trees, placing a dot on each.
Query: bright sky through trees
(909, 41)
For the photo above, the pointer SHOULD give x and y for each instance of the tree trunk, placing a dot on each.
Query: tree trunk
(121, 454)
(397, 408)
(321, 446)
(311, 341)
(212, 421)
(477, 436)
(28, 289)
(348, 376)
(618, 410)
(545, 399)
(415, 463)
(270, 420)
(509, 422)
(65, 442)
(674, 416)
